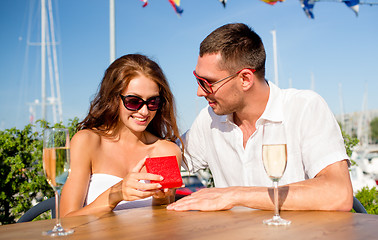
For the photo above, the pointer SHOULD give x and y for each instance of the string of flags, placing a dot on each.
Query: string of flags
(307, 5)
(145, 3)
(272, 2)
(175, 4)
(223, 2)
(354, 5)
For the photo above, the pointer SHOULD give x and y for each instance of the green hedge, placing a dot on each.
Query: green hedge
(369, 199)
(21, 169)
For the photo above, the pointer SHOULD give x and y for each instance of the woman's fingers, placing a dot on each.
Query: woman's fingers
(163, 193)
(137, 185)
(148, 177)
(131, 194)
(143, 176)
(138, 167)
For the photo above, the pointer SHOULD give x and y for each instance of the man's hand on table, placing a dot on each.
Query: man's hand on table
(208, 199)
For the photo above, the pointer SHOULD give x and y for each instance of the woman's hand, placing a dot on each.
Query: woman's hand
(134, 189)
(163, 193)
(164, 197)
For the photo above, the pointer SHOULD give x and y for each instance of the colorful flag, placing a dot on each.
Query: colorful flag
(308, 6)
(272, 2)
(354, 5)
(176, 6)
(223, 2)
(145, 2)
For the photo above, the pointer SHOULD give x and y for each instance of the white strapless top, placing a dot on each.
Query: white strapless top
(100, 182)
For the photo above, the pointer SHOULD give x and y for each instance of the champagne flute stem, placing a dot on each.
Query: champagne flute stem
(276, 205)
(57, 209)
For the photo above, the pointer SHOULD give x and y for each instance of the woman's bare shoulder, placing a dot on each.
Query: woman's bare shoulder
(87, 137)
(164, 148)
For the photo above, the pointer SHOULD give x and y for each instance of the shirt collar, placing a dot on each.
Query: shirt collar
(273, 110)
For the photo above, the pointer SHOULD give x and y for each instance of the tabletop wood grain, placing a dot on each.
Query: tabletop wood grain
(237, 223)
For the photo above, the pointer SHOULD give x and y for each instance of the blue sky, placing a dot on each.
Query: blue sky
(334, 48)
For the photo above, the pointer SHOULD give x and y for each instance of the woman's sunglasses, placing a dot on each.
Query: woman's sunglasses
(134, 103)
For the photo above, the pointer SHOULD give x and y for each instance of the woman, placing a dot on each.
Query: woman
(132, 117)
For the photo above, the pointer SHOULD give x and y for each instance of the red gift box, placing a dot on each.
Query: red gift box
(168, 168)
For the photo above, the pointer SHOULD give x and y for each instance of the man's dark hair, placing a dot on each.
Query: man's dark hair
(239, 46)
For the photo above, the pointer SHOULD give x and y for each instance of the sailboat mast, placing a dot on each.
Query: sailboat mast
(312, 81)
(43, 59)
(275, 57)
(342, 108)
(112, 30)
(363, 124)
(49, 56)
(57, 100)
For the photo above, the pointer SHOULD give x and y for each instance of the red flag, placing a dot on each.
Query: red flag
(272, 2)
(145, 2)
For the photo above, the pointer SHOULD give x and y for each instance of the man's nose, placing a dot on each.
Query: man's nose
(201, 92)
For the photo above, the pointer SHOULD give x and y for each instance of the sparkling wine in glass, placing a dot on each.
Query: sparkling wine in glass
(274, 155)
(56, 165)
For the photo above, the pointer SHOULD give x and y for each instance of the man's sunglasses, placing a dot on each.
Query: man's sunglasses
(207, 87)
(134, 103)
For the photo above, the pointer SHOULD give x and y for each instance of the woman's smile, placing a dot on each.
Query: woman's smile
(140, 120)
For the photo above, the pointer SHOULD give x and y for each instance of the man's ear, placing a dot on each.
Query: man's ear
(247, 79)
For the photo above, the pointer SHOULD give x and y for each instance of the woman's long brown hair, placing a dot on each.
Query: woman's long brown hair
(103, 116)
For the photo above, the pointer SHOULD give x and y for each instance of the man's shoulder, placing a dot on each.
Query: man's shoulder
(293, 92)
(207, 120)
(300, 96)
(207, 115)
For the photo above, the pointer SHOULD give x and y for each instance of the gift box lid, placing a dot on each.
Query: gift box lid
(166, 167)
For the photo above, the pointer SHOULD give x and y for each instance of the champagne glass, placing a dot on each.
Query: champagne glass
(56, 165)
(274, 156)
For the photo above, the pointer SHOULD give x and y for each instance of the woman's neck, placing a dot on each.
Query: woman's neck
(126, 135)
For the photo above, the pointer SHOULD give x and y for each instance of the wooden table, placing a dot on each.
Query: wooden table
(238, 223)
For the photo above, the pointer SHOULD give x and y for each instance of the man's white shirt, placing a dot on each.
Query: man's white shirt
(314, 141)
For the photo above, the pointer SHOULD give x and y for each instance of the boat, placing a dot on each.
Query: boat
(365, 172)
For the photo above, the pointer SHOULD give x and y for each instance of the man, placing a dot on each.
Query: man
(227, 135)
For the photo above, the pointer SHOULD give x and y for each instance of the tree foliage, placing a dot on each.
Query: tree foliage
(21, 169)
(369, 199)
(350, 143)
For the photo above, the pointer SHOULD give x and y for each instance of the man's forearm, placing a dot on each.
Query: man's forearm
(329, 190)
